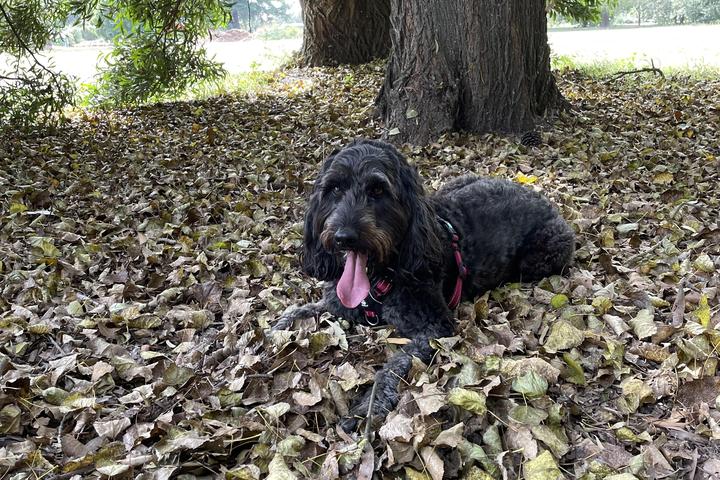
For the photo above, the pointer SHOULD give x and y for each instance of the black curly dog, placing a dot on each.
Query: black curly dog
(391, 254)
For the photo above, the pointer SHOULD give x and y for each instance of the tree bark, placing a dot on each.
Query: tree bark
(475, 65)
(344, 31)
(605, 18)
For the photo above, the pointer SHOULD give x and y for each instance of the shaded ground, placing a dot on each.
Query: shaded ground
(143, 252)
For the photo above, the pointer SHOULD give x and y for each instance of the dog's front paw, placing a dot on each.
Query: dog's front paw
(382, 404)
(284, 323)
(297, 312)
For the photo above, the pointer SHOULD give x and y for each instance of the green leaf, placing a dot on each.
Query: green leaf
(542, 467)
(55, 395)
(704, 263)
(622, 476)
(18, 208)
(627, 227)
(702, 313)
(634, 393)
(527, 415)
(574, 372)
(278, 469)
(470, 400)
(10, 419)
(643, 324)
(113, 469)
(46, 246)
(473, 452)
(244, 472)
(277, 410)
(412, 474)
(177, 376)
(559, 301)
(554, 438)
(602, 305)
(627, 435)
(75, 308)
(476, 474)
(144, 321)
(563, 335)
(291, 446)
(530, 384)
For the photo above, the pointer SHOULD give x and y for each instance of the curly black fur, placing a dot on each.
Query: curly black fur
(507, 233)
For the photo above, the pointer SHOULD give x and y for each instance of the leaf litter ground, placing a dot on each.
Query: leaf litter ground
(143, 253)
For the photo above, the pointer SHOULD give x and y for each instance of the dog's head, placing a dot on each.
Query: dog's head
(368, 207)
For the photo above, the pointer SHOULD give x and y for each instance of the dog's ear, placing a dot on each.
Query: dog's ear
(316, 261)
(420, 257)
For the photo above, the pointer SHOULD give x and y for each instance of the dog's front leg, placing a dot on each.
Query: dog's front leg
(296, 312)
(384, 394)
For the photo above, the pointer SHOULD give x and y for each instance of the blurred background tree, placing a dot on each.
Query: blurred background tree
(251, 15)
(633, 12)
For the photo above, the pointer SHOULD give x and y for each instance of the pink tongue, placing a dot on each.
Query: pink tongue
(353, 286)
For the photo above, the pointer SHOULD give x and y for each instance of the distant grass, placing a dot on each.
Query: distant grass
(279, 32)
(598, 68)
(605, 67)
(253, 81)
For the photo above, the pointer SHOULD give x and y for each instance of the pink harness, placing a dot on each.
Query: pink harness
(462, 269)
(372, 305)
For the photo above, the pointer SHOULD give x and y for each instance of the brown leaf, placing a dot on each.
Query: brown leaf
(430, 400)
(678, 308)
(433, 463)
(397, 427)
(705, 390)
(309, 399)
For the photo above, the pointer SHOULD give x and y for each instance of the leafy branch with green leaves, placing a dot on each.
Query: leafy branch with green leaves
(578, 10)
(31, 92)
(158, 49)
(157, 52)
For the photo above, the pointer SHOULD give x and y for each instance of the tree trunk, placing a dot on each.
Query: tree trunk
(344, 31)
(475, 65)
(604, 18)
(249, 17)
(234, 19)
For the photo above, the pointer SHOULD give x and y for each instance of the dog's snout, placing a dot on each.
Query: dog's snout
(346, 238)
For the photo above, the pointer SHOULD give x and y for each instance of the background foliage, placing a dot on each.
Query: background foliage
(30, 92)
(583, 11)
(157, 47)
(253, 14)
(157, 50)
(634, 12)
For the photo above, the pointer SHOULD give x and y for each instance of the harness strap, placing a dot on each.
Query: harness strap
(372, 305)
(462, 269)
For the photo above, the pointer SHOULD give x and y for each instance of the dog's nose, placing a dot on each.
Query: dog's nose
(346, 238)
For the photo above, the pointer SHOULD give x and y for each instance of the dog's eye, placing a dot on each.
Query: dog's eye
(336, 191)
(376, 191)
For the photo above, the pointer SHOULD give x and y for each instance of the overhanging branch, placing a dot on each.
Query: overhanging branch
(20, 40)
